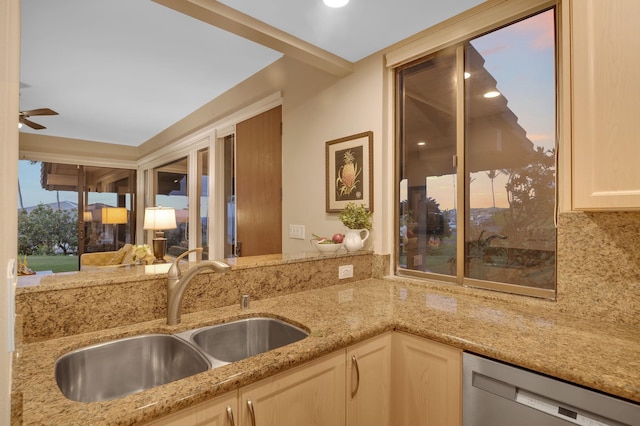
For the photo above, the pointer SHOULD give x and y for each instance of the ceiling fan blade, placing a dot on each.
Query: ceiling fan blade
(39, 111)
(34, 126)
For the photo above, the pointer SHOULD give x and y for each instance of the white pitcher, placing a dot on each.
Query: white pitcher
(354, 239)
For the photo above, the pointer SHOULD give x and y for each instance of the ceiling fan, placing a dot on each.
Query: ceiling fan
(24, 117)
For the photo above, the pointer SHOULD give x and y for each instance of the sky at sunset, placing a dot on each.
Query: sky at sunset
(521, 58)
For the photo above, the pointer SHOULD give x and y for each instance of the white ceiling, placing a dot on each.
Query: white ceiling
(121, 71)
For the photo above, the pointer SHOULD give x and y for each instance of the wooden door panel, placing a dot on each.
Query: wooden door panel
(426, 382)
(216, 412)
(259, 183)
(369, 382)
(310, 395)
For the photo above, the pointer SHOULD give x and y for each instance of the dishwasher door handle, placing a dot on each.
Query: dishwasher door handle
(496, 387)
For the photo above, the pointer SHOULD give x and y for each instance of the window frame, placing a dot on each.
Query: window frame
(188, 150)
(422, 50)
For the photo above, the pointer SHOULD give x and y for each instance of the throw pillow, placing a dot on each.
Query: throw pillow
(116, 257)
(128, 256)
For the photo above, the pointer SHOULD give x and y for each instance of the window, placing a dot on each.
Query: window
(52, 233)
(171, 190)
(203, 202)
(476, 142)
(183, 184)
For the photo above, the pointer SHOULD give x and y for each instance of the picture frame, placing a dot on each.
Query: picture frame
(349, 172)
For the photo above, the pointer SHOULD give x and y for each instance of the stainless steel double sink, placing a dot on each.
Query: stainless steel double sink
(125, 366)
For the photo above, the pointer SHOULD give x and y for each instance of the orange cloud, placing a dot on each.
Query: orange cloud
(542, 27)
(496, 49)
(534, 137)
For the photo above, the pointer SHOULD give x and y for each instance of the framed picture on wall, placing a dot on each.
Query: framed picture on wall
(349, 171)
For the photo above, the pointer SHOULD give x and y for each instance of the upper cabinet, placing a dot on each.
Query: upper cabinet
(605, 73)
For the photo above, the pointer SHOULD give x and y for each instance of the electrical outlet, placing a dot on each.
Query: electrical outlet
(345, 271)
(296, 232)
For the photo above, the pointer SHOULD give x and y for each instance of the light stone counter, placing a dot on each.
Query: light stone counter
(126, 273)
(530, 333)
(74, 303)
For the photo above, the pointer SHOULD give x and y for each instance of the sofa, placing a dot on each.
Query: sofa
(123, 256)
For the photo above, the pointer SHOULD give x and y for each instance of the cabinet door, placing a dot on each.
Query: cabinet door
(369, 382)
(309, 395)
(221, 411)
(426, 382)
(606, 104)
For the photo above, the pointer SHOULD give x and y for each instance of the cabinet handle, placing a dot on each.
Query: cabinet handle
(354, 363)
(230, 416)
(251, 412)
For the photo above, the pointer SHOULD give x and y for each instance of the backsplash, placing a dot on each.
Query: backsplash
(115, 297)
(598, 277)
(599, 265)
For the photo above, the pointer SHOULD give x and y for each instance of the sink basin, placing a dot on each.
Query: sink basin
(121, 367)
(241, 339)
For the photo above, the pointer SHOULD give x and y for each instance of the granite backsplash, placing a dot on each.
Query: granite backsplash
(599, 265)
(69, 304)
(598, 271)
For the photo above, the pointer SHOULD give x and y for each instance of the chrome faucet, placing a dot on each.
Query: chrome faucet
(177, 282)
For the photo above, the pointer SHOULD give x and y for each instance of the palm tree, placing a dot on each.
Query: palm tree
(20, 197)
(492, 174)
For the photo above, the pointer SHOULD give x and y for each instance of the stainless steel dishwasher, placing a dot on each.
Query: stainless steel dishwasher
(498, 394)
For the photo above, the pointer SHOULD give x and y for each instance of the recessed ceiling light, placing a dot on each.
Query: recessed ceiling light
(467, 75)
(422, 143)
(336, 3)
(492, 94)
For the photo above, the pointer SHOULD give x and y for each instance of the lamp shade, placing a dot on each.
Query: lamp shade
(114, 215)
(159, 218)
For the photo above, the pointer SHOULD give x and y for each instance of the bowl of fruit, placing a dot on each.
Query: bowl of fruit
(327, 245)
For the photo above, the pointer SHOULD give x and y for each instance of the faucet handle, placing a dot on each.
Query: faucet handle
(198, 249)
(174, 270)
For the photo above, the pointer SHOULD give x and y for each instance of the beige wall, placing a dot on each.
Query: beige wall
(348, 106)
(9, 104)
(317, 107)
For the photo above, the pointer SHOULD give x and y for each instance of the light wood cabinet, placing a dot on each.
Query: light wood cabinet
(311, 395)
(369, 382)
(426, 382)
(216, 412)
(605, 104)
(394, 379)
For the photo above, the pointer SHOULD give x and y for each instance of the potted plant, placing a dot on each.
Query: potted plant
(358, 219)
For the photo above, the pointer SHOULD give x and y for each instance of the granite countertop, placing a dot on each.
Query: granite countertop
(101, 275)
(534, 335)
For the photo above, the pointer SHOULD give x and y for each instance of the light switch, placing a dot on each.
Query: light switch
(296, 232)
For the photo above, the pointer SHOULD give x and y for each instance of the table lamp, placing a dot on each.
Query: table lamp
(114, 216)
(159, 219)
